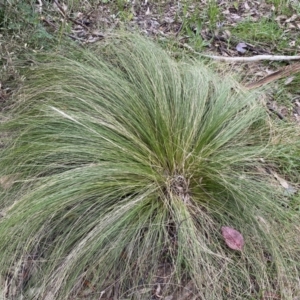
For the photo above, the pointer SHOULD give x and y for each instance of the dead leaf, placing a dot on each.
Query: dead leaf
(241, 47)
(169, 20)
(290, 191)
(158, 291)
(282, 182)
(292, 18)
(233, 239)
(101, 294)
(263, 222)
(292, 43)
(246, 5)
(290, 26)
(289, 80)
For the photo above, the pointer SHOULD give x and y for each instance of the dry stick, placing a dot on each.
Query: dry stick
(49, 23)
(252, 58)
(245, 59)
(63, 13)
(277, 113)
(283, 72)
(73, 37)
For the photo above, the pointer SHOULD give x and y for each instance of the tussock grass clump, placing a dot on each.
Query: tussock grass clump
(121, 169)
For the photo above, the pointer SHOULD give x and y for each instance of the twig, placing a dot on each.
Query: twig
(63, 13)
(179, 29)
(49, 23)
(245, 59)
(253, 58)
(73, 37)
(283, 72)
(277, 113)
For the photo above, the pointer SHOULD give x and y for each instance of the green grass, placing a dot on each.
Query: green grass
(21, 17)
(124, 163)
(102, 196)
(285, 7)
(265, 32)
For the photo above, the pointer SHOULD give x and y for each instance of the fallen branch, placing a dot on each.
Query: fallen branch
(73, 37)
(245, 59)
(63, 13)
(253, 58)
(283, 72)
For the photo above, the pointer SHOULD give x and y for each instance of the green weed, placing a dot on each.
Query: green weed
(286, 7)
(22, 21)
(213, 13)
(266, 32)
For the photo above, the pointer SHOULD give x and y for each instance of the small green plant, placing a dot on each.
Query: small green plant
(22, 21)
(277, 3)
(82, 5)
(19, 14)
(213, 13)
(286, 7)
(265, 31)
(122, 168)
(192, 26)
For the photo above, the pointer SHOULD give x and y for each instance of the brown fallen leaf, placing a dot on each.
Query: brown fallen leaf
(233, 239)
(282, 182)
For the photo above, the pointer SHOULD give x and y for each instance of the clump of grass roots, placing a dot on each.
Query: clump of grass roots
(120, 167)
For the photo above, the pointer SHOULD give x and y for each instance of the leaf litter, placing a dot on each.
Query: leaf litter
(233, 238)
